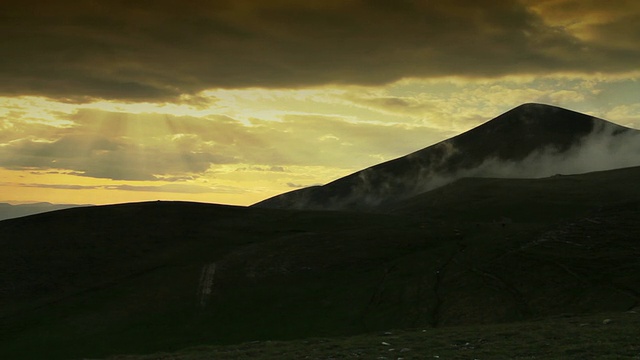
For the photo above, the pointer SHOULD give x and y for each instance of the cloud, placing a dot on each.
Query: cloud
(94, 156)
(262, 169)
(457, 105)
(167, 188)
(120, 146)
(300, 186)
(135, 51)
(606, 147)
(411, 105)
(175, 188)
(628, 115)
(608, 24)
(326, 140)
(58, 186)
(114, 146)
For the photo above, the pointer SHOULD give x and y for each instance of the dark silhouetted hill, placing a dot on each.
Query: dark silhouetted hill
(531, 140)
(160, 276)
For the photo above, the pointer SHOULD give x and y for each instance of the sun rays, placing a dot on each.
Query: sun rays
(241, 146)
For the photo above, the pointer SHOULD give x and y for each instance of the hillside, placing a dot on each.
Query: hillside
(579, 337)
(524, 200)
(161, 276)
(531, 140)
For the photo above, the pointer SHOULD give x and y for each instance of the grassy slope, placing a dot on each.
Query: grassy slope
(124, 279)
(526, 200)
(600, 336)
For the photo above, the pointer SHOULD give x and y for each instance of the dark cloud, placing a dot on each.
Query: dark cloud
(160, 50)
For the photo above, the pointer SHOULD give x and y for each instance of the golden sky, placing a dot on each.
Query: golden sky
(233, 101)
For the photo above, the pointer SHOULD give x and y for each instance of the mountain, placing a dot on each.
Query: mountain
(8, 211)
(431, 248)
(160, 276)
(531, 140)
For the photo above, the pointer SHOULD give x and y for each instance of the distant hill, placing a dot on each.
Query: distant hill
(9, 211)
(531, 140)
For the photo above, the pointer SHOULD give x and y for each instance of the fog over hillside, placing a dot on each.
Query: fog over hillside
(607, 147)
(530, 141)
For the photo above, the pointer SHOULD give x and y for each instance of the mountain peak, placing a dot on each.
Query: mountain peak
(531, 140)
(553, 117)
(538, 107)
(534, 106)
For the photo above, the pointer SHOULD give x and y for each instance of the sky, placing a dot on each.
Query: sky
(234, 101)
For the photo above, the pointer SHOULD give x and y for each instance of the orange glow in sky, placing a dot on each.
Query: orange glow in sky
(227, 105)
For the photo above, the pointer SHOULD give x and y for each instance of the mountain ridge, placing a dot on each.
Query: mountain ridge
(516, 136)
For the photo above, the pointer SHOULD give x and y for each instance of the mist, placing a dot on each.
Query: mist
(530, 141)
(605, 148)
